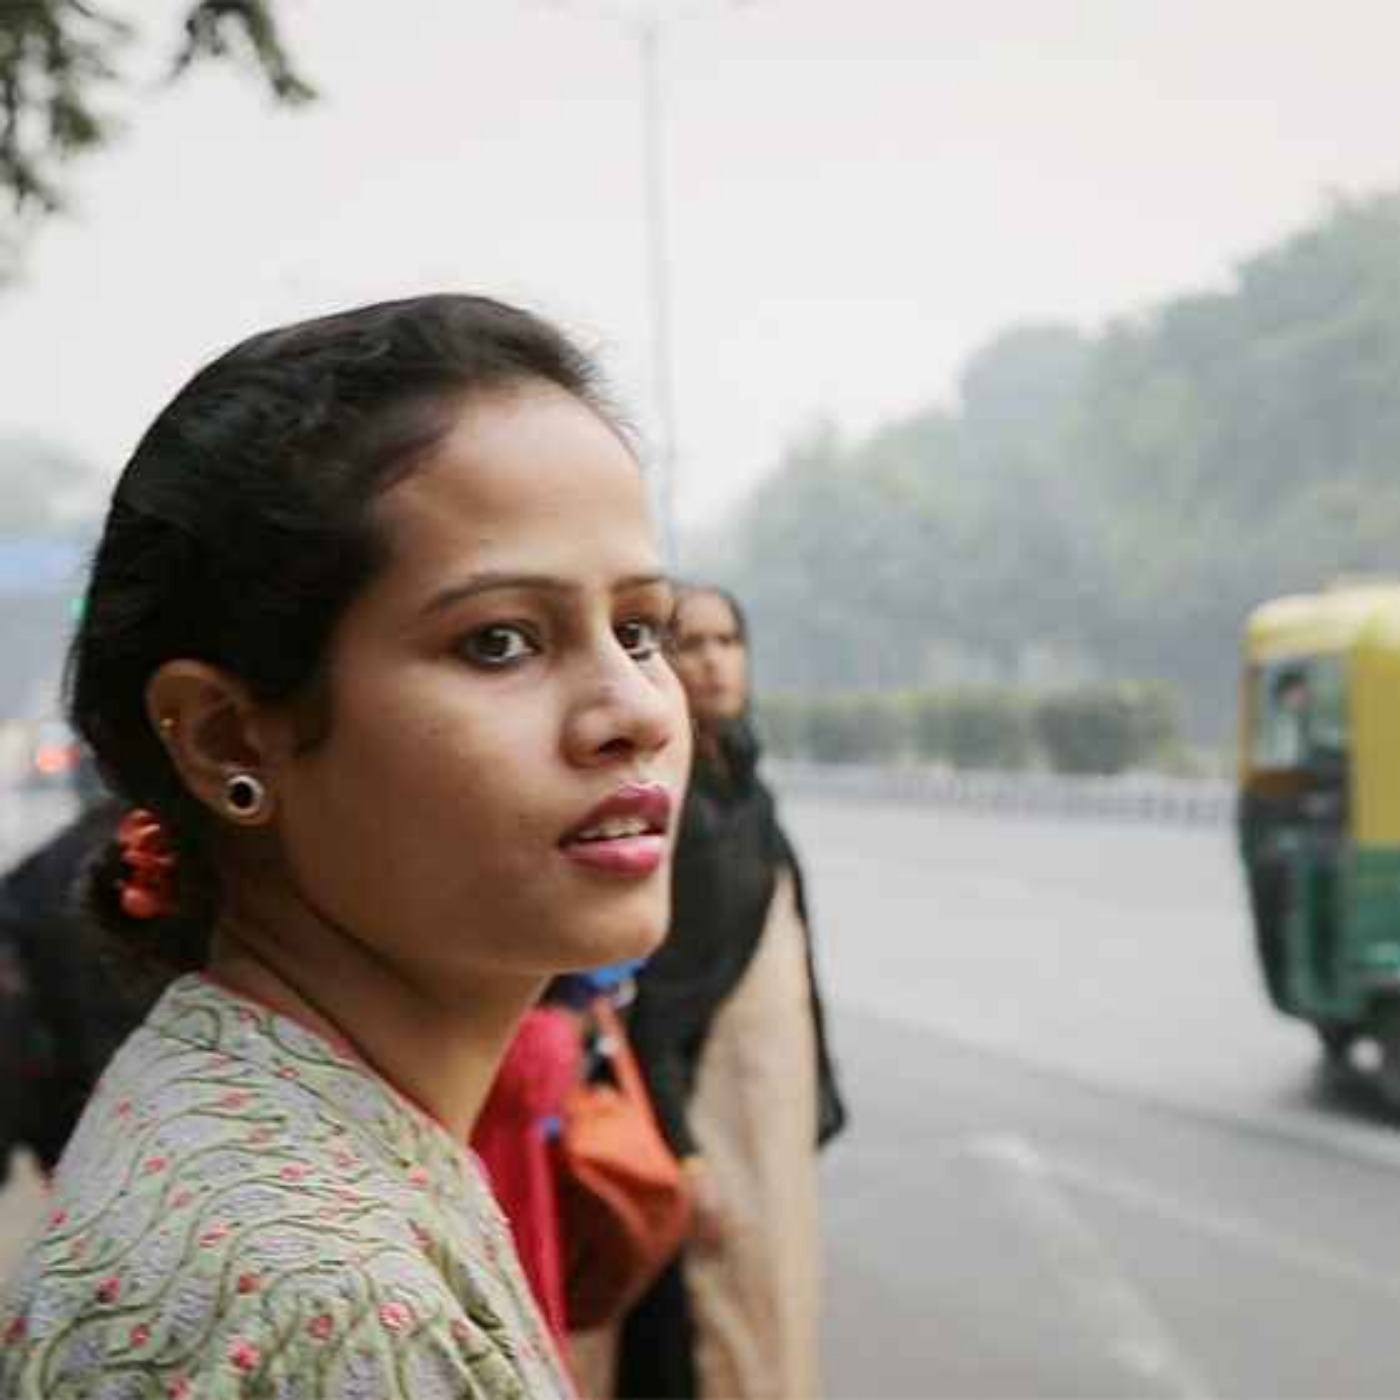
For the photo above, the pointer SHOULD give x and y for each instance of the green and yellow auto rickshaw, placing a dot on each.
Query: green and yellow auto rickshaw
(1319, 812)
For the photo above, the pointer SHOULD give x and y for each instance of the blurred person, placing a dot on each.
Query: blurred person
(1285, 731)
(520, 1123)
(728, 1026)
(512, 1137)
(65, 1008)
(371, 654)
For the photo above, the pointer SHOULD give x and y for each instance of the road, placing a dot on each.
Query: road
(1086, 1159)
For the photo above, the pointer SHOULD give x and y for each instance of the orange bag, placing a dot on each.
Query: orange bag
(624, 1203)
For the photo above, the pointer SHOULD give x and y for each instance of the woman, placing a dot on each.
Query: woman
(517, 1132)
(76, 1012)
(514, 1136)
(729, 1029)
(372, 643)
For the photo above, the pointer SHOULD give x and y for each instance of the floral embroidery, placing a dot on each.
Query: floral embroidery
(244, 1355)
(396, 1317)
(320, 1192)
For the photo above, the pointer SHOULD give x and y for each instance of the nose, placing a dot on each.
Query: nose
(627, 709)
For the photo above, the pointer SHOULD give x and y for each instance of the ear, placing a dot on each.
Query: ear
(214, 731)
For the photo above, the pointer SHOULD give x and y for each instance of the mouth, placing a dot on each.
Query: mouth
(625, 834)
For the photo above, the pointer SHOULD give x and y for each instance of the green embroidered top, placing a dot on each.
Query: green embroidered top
(246, 1212)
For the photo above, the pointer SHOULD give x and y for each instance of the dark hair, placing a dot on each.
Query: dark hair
(713, 590)
(241, 530)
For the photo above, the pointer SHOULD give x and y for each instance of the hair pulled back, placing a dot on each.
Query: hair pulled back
(692, 588)
(241, 530)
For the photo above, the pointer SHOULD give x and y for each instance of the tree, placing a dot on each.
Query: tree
(1110, 504)
(60, 63)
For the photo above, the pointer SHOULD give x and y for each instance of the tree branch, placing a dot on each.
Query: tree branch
(59, 66)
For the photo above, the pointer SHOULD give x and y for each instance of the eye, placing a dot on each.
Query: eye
(641, 637)
(498, 646)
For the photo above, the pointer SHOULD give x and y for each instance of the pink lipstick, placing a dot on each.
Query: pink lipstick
(625, 834)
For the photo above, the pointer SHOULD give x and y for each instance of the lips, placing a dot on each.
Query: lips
(625, 834)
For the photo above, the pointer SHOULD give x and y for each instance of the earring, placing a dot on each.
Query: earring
(245, 796)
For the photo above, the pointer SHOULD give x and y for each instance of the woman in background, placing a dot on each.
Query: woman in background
(519, 1126)
(371, 651)
(729, 1030)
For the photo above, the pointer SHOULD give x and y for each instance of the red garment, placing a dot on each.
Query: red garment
(540, 1069)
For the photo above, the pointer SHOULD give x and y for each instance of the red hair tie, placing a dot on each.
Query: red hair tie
(148, 891)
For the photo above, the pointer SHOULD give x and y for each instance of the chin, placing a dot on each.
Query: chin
(622, 939)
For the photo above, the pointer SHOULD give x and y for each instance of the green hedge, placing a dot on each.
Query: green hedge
(867, 728)
(1105, 729)
(1094, 729)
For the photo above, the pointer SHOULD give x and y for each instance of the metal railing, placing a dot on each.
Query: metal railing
(1131, 797)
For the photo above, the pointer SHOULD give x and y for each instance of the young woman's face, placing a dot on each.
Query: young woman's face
(711, 659)
(507, 746)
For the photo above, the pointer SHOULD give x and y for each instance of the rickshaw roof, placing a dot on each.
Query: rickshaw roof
(1332, 622)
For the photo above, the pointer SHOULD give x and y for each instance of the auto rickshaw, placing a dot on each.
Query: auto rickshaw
(1319, 812)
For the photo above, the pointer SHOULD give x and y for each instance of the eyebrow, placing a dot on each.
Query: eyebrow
(538, 583)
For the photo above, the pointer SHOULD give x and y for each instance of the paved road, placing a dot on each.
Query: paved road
(1120, 953)
(1086, 1160)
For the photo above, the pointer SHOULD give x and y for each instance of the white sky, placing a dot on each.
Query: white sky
(859, 194)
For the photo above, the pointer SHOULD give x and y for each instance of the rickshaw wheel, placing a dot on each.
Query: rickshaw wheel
(1337, 1042)
(1385, 1022)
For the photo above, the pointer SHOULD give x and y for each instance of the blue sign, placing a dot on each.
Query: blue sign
(41, 566)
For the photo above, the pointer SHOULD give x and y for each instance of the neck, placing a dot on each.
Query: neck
(707, 744)
(441, 1052)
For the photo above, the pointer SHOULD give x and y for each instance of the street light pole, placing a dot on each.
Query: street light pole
(647, 29)
(648, 33)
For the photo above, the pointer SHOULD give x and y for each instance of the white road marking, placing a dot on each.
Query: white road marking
(1201, 1220)
(1094, 1286)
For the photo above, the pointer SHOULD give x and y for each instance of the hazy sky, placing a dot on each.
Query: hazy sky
(859, 193)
